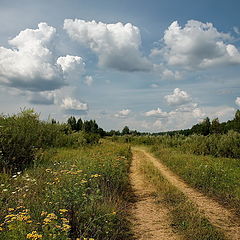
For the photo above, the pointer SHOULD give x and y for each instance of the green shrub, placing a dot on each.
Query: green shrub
(23, 134)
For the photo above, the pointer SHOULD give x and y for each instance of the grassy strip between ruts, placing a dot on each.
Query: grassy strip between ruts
(186, 219)
(217, 177)
(69, 194)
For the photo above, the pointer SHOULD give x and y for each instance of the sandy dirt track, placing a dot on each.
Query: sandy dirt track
(219, 216)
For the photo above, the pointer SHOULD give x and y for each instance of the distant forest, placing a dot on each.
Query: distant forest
(205, 127)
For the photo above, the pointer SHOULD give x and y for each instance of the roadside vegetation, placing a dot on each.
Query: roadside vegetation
(216, 177)
(56, 183)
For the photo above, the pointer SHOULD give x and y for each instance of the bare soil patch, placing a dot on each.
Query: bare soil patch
(150, 220)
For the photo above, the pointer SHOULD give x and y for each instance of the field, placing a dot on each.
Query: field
(69, 193)
(60, 182)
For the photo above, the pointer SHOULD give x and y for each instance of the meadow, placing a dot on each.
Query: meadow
(68, 194)
(61, 181)
(59, 184)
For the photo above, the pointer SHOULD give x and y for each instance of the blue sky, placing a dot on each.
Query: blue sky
(151, 65)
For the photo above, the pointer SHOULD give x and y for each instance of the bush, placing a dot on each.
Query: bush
(19, 138)
(23, 134)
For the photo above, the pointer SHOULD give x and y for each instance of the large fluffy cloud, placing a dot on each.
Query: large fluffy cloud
(116, 45)
(179, 97)
(31, 64)
(198, 45)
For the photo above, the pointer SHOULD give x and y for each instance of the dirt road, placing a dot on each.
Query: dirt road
(152, 222)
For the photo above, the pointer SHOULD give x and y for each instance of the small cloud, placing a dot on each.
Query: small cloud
(237, 101)
(71, 64)
(198, 113)
(167, 74)
(123, 113)
(236, 30)
(74, 106)
(154, 85)
(178, 97)
(156, 113)
(88, 80)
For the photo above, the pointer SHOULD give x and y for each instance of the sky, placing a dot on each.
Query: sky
(153, 65)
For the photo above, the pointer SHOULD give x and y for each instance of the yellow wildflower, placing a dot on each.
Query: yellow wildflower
(66, 227)
(63, 210)
(34, 235)
(43, 213)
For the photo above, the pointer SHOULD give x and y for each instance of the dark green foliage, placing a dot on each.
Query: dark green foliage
(72, 123)
(79, 125)
(125, 130)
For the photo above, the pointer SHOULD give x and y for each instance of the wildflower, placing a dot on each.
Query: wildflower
(43, 213)
(63, 210)
(34, 235)
(11, 209)
(1, 229)
(66, 227)
(5, 190)
(65, 220)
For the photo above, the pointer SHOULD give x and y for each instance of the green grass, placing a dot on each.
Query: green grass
(185, 217)
(68, 194)
(217, 177)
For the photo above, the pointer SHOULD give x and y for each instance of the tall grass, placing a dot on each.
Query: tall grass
(217, 177)
(68, 194)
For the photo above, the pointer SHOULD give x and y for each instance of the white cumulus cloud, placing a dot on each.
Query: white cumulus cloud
(116, 45)
(70, 105)
(123, 113)
(179, 97)
(71, 63)
(237, 101)
(198, 45)
(156, 113)
(31, 63)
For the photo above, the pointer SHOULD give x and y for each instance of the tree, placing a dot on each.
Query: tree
(237, 116)
(94, 126)
(125, 130)
(79, 125)
(72, 123)
(216, 126)
(206, 125)
(87, 126)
